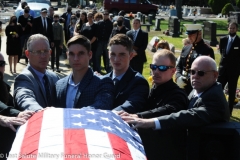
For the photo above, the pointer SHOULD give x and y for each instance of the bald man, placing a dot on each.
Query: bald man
(207, 102)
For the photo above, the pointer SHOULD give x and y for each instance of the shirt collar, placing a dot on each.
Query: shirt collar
(118, 77)
(197, 94)
(136, 30)
(39, 74)
(71, 82)
(229, 37)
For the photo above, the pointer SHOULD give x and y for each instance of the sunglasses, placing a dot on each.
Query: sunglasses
(199, 73)
(2, 63)
(160, 68)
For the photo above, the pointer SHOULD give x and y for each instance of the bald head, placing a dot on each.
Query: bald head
(203, 73)
(206, 60)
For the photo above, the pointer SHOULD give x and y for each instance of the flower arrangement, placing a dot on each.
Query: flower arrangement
(131, 15)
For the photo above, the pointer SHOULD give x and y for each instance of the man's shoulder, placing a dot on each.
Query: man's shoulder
(63, 80)
(103, 78)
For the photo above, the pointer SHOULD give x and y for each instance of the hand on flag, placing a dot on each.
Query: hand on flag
(11, 121)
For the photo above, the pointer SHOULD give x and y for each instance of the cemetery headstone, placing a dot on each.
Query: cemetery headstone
(210, 32)
(174, 26)
(157, 24)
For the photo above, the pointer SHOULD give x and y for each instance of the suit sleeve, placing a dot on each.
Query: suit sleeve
(24, 97)
(212, 110)
(34, 26)
(172, 105)
(137, 97)
(179, 66)
(105, 95)
(7, 110)
(143, 47)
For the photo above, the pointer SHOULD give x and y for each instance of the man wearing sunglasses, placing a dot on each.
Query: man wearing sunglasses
(189, 54)
(165, 98)
(33, 88)
(207, 102)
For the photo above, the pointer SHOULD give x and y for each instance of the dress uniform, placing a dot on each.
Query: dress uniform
(189, 54)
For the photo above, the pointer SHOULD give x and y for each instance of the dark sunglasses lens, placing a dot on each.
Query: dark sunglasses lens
(162, 68)
(200, 73)
(153, 67)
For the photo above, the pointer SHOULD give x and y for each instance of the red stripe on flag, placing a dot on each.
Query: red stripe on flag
(75, 144)
(29, 148)
(120, 148)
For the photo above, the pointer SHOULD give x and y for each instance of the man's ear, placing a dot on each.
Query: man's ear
(50, 52)
(131, 54)
(90, 54)
(27, 53)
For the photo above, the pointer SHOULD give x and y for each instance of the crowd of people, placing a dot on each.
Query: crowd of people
(161, 114)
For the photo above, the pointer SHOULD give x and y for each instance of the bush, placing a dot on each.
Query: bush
(227, 8)
(217, 5)
(238, 3)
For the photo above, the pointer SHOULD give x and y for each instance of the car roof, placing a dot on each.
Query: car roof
(35, 6)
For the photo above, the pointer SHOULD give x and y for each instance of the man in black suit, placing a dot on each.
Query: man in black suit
(229, 67)
(140, 42)
(43, 25)
(165, 98)
(131, 88)
(66, 18)
(207, 102)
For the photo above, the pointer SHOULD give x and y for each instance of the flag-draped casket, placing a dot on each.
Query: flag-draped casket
(68, 134)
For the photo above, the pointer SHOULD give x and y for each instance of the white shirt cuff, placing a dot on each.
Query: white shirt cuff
(157, 123)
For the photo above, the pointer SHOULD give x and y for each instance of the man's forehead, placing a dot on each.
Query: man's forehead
(117, 48)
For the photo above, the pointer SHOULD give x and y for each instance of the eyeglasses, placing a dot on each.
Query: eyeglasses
(40, 52)
(199, 73)
(160, 68)
(2, 63)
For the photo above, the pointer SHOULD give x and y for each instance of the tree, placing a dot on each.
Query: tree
(238, 3)
(217, 5)
(227, 8)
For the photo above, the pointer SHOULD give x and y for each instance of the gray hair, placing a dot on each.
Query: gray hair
(34, 38)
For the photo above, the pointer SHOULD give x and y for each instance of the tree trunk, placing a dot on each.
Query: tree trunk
(178, 4)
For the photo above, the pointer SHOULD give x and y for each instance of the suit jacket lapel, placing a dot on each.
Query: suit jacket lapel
(63, 90)
(83, 84)
(39, 83)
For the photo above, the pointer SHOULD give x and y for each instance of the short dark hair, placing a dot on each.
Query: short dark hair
(166, 53)
(80, 39)
(137, 19)
(233, 23)
(55, 16)
(122, 39)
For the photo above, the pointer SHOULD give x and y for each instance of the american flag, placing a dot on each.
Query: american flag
(69, 134)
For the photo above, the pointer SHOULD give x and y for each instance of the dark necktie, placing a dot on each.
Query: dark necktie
(44, 26)
(192, 101)
(115, 81)
(229, 46)
(134, 36)
(47, 90)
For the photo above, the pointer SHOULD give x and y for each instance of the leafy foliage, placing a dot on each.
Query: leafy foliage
(217, 5)
(227, 8)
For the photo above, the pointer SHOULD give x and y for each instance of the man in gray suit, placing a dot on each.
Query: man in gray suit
(33, 88)
(207, 102)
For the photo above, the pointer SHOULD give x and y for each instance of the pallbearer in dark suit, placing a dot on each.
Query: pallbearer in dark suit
(132, 89)
(229, 67)
(43, 25)
(189, 54)
(140, 42)
(82, 88)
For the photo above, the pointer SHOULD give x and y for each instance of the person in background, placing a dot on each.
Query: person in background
(89, 30)
(13, 32)
(105, 27)
(58, 42)
(66, 19)
(186, 42)
(78, 13)
(120, 29)
(31, 12)
(111, 17)
(126, 20)
(162, 44)
(26, 21)
(71, 27)
(0, 35)
(97, 17)
(9, 116)
(79, 24)
(51, 12)
(229, 66)
(189, 53)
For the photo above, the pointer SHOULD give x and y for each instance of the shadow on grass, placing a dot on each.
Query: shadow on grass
(234, 119)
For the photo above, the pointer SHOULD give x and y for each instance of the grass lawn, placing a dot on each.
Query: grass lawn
(177, 41)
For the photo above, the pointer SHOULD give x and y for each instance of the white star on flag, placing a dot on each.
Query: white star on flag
(117, 120)
(106, 119)
(119, 129)
(78, 124)
(77, 115)
(91, 112)
(104, 111)
(92, 120)
(108, 127)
